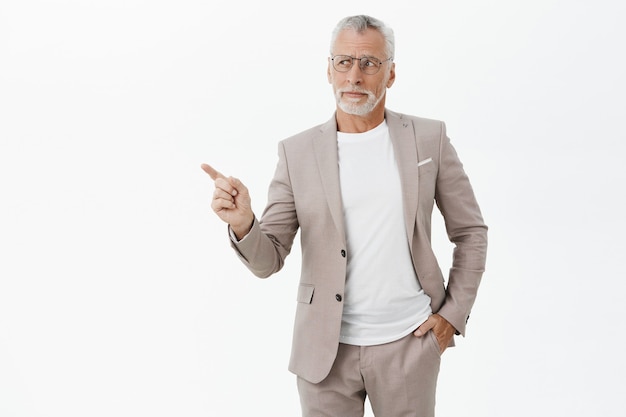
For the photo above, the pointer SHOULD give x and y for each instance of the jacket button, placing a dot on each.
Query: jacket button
(338, 297)
(343, 253)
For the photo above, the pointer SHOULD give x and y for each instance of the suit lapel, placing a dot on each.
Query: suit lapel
(326, 155)
(403, 139)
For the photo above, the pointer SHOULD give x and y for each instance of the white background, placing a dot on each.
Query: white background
(119, 294)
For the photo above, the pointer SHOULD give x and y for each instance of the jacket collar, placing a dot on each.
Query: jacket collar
(402, 137)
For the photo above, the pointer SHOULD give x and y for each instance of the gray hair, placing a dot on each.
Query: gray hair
(360, 24)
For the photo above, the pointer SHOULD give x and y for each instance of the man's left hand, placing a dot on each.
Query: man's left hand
(441, 327)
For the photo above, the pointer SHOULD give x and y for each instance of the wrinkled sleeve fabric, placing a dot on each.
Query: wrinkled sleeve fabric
(466, 230)
(264, 249)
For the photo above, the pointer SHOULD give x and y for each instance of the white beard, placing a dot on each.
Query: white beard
(355, 108)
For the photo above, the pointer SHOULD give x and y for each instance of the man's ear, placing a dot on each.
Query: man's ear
(392, 75)
(328, 75)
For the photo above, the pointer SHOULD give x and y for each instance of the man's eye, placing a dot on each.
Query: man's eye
(369, 63)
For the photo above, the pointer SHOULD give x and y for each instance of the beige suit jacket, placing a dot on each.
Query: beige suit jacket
(305, 194)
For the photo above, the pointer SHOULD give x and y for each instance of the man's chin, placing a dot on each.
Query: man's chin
(358, 110)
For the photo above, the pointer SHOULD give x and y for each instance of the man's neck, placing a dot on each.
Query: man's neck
(350, 123)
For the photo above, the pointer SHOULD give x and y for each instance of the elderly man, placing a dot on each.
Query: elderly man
(374, 313)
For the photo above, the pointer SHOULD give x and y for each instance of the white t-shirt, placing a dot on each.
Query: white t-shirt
(383, 300)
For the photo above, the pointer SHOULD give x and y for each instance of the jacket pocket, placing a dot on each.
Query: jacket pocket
(305, 293)
(427, 168)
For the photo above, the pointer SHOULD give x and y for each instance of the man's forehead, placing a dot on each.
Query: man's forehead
(368, 42)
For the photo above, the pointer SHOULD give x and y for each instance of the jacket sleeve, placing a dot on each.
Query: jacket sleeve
(466, 230)
(264, 249)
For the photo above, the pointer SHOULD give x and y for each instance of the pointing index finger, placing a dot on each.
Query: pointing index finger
(214, 174)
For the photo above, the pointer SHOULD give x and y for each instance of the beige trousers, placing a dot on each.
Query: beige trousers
(399, 378)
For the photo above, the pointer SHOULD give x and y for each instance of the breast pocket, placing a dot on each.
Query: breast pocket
(426, 167)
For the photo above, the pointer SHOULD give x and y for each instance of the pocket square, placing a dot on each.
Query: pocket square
(424, 162)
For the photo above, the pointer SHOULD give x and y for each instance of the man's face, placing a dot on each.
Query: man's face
(356, 92)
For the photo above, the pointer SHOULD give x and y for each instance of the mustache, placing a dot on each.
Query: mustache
(354, 89)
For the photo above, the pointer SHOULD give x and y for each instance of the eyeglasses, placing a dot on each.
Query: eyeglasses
(369, 65)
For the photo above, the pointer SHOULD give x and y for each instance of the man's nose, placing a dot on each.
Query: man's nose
(355, 75)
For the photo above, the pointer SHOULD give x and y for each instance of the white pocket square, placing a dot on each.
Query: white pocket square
(424, 162)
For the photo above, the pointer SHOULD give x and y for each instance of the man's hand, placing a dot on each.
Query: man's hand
(231, 202)
(442, 329)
